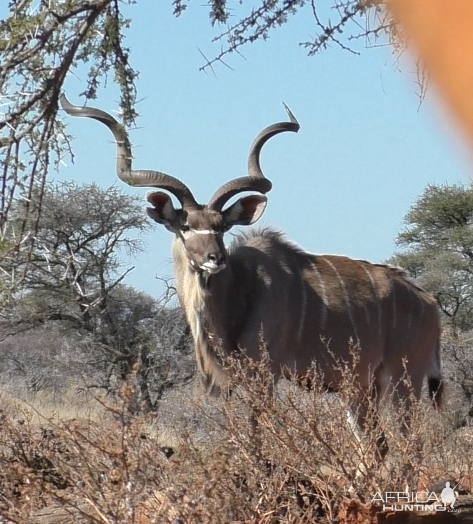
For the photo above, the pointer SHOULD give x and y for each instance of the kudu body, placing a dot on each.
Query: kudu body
(304, 307)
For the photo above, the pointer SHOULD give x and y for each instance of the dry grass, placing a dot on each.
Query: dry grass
(305, 462)
(53, 406)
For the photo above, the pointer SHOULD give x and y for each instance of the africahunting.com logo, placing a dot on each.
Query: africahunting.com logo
(418, 500)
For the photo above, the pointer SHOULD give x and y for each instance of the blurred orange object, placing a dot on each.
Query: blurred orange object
(440, 32)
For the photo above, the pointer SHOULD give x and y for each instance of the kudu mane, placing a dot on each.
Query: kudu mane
(254, 259)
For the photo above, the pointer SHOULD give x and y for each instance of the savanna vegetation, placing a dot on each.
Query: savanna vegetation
(102, 416)
(104, 419)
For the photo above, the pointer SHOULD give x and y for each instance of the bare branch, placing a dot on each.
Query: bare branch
(39, 46)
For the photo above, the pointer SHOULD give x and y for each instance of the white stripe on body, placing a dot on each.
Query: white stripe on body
(347, 298)
(323, 297)
(378, 304)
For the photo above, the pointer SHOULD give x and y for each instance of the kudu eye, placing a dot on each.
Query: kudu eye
(185, 228)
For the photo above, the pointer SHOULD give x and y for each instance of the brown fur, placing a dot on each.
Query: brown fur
(308, 307)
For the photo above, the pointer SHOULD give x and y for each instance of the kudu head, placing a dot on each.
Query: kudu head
(200, 228)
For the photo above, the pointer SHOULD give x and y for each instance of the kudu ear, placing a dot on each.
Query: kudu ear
(163, 211)
(245, 211)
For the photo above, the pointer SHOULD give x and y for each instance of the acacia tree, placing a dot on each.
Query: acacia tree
(42, 41)
(74, 247)
(351, 21)
(439, 241)
(74, 280)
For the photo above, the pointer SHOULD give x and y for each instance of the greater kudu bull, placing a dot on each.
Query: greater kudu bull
(304, 306)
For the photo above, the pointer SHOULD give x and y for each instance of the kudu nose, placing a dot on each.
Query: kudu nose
(216, 258)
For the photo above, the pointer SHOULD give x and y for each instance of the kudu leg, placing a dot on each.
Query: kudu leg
(367, 422)
(254, 426)
(367, 416)
(404, 403)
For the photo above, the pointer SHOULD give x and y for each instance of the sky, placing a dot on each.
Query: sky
(365, 151)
